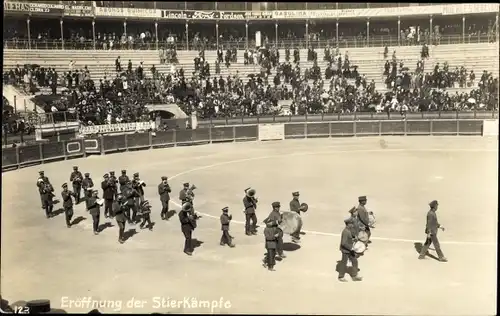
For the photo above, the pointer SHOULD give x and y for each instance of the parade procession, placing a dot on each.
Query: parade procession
(123, 199)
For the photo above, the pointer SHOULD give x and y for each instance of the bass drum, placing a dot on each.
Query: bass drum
(291, 222)
(363, 236)
(359, 247)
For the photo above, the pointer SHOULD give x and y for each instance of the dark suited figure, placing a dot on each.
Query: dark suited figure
(87, 182)
(431, 229)
(138, 186)
(271, 234)
(275, 216)
(164, 193)
(123, 180)
(120, 210)
(188, 224)
(131, 194)
(225, 220)
(94, 210)
(363, 218)
(184, 194)
(76, 179)
(115, 180)
(46, 195)
(250, 206)
(108, 194)
(295, 207)
(146, 215)
(41, 179)
(67, 204)
(346, 248)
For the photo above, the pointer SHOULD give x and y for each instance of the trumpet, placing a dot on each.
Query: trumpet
(190, 192)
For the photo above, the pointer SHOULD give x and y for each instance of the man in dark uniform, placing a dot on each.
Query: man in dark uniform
(355, 221)
(41, 179)
(225, 220)
(275, 216)
(115, 181)
(76, 179)
(295, 207)
(164, 192)
(431, 229)
(250, 205)
(188, 224)
(346, 248)
(123, 179)
(363, 217)
(120, 213)
(146, 215)
(46, 195)
(67, 204)
(184, 194)
(108, 194)
(87, 182)
(271, 234)
(138, 185)
(131, 194)
(94, 210)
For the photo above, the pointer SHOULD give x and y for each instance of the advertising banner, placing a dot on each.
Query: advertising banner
(34, 7)
(127, 12)
(216, 15)
(78, 10)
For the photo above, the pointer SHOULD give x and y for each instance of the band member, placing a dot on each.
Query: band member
(131, 194)
(146, 215)
(188, 220)
(184, 194)
(250, 205)
(67, 204)
(346, 248)
(41, 179)
(115, 181)
(95, 210)
(108, 194)
(76, 179)
(164, 192)
(271, 234)
(225, 220)
(46, 195)
(431, 229)
(120, 211)
(363, 218)
(123, 179)
(87, 182)
(355, 222)
(295, 207)
(275, 217)
(138, 185)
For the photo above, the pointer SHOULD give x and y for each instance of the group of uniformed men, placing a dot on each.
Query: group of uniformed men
(128, 204)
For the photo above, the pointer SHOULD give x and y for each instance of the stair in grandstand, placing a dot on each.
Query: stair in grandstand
(17, 98)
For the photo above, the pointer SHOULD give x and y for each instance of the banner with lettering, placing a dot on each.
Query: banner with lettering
(467, 8)
(127, 12)
(25, 7)
(216, 15)
(78, 10)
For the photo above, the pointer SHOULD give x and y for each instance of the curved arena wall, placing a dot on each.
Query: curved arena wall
(13, 158)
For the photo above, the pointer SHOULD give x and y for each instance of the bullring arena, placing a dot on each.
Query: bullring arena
(400, 175)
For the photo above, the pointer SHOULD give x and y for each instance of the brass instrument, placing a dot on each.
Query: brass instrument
(190, 192)
(165, 182)
(251, 194)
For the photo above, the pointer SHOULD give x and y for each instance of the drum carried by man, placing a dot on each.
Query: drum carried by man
(366, 220)
(296, 207)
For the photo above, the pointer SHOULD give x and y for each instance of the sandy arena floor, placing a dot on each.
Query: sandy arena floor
(42, 258)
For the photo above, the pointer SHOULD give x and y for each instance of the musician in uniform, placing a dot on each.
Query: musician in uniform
(164, 193)
(46, 195)
(120, 211)
(276, 217)
(115, 181)
(355, 222)
(271, 235)
(431, 230)
(145, 209)
(188, 219)
(123, 180)
(138, 185)
(95, 210)
(76, 179)
(250, 205)
(67, 204)
(108, 194)
(295, 207)
(130, 194)
(347, 240)
(183, 194)
(87, 181)
(41, 179)
(225, 220)
(363, 217)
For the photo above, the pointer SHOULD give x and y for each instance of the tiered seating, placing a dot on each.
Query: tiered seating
(477, 57)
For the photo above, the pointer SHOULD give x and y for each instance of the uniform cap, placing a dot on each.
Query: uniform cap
(75, 167)
(87, 174)
(348, 220)
(296, 193)
(65, 185)
(106, 175)
(40, 172)
(362, 198)
(433, 204)
(225, 209)
(186, 184)
(276, 204)
(124, 171)
(353, 209)
(164, 178)
(111, 172)
(136, 174)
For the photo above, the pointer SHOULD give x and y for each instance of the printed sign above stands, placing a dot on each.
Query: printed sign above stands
(217, 15)
(55, 9)
(127, 12)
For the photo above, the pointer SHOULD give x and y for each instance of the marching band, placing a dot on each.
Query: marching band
(130, 205)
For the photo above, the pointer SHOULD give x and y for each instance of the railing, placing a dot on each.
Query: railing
(45, 152)
(346, 42)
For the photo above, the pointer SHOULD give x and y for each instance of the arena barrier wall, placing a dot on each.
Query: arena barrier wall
(13, 158)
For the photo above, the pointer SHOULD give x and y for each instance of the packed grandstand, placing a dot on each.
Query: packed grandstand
(104, 61)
